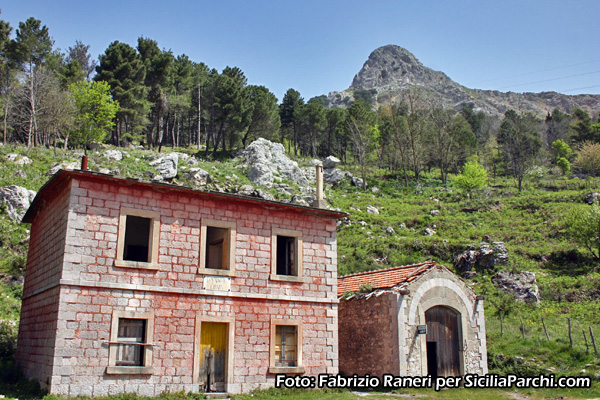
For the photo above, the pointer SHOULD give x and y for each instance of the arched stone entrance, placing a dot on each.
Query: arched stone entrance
(443, 341)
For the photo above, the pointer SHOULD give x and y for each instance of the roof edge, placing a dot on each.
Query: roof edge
(65, 174)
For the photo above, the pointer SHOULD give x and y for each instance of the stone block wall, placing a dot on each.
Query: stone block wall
(368, 338)
(91, 288)
(37, 333)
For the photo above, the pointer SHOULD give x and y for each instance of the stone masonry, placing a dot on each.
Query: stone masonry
(73, 287)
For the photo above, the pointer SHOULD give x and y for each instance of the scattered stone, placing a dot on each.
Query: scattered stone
(251, 191)
(485, 257)
(113, 155)
(198, 177)
(402, 226)
(314, 162)
(166, 165)
(299, 201)
(519, 360)
(375, 189)
(358, 182)
(522, 285)
(23, 161)
(591, 197)
(331, 162)
(435, 213)
(372, 210)
(69, 166)
(486, 238)
(428, 232)
(104, 171)
(390, 230)
(17, 200)
(362, 223)
(12, 156)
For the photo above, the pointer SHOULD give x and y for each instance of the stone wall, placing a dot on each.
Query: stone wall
(92, 288)
(37, 333)
(368, 335)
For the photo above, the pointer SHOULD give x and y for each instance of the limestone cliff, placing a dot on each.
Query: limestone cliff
(391, 69)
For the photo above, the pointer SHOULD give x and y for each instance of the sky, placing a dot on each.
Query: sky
(317, 46)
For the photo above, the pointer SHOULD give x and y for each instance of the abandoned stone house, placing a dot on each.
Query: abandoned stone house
(145, 287)
(413, 320)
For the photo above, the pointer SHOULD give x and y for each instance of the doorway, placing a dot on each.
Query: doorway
(443, 341)
(213, 356)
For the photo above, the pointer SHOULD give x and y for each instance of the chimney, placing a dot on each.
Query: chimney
(84, 163)
(319, 201)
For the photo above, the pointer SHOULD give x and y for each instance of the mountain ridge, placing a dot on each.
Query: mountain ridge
(391, 69)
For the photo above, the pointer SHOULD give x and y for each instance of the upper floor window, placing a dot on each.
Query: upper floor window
(286, 255)
(217, 247)
(137, 244)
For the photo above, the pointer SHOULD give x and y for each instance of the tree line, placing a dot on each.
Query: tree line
(145, 95)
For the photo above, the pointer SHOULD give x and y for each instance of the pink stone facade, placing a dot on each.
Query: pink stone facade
(73, 287)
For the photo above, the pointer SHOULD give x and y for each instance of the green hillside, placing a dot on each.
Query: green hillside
(533, 224)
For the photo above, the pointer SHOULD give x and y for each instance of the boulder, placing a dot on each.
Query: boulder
(17, 200)
(591, 197)
(485, 257)
(331, 162)
(69, 166)
(333, 175)
(522, 285)
(261, 174)
(113, 155)
(267, 160)
(23, 161)
(166, 165)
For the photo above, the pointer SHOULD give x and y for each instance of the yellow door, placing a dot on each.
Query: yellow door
(213, 350)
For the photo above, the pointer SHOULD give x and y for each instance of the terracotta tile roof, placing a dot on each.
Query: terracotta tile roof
(383, 278)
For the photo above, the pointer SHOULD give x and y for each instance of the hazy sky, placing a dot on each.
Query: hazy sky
(318, 46)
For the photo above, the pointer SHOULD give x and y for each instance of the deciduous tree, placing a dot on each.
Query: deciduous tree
(95, 111)
(520, 141)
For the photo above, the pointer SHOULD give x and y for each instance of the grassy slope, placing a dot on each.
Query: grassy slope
(532, 225)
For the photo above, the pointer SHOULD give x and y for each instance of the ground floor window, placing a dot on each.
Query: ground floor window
(286, 346)
(130, 346)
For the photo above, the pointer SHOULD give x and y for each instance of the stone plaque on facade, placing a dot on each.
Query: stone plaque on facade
(222, 283)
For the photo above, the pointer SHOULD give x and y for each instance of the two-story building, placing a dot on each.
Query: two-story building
(146, 287)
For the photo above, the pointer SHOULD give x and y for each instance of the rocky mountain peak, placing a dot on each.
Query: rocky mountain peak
(391, 67)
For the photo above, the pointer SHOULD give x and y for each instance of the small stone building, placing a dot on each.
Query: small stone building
(145, 287)
(413, 320)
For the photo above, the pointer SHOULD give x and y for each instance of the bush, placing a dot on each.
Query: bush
(472, 177)
(588, 160)
(584, 225)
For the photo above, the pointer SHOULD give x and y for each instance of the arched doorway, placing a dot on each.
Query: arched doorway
(443, 341)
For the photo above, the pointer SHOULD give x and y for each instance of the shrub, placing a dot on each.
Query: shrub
(472, 177)
(564, 165)
(584, 225)
(588, 160)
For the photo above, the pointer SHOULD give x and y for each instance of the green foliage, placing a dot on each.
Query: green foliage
(561, 149)
(588, 159)
(584, 226)
(96, 111)
(564, 165)
(473, 177)
(520, 142)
